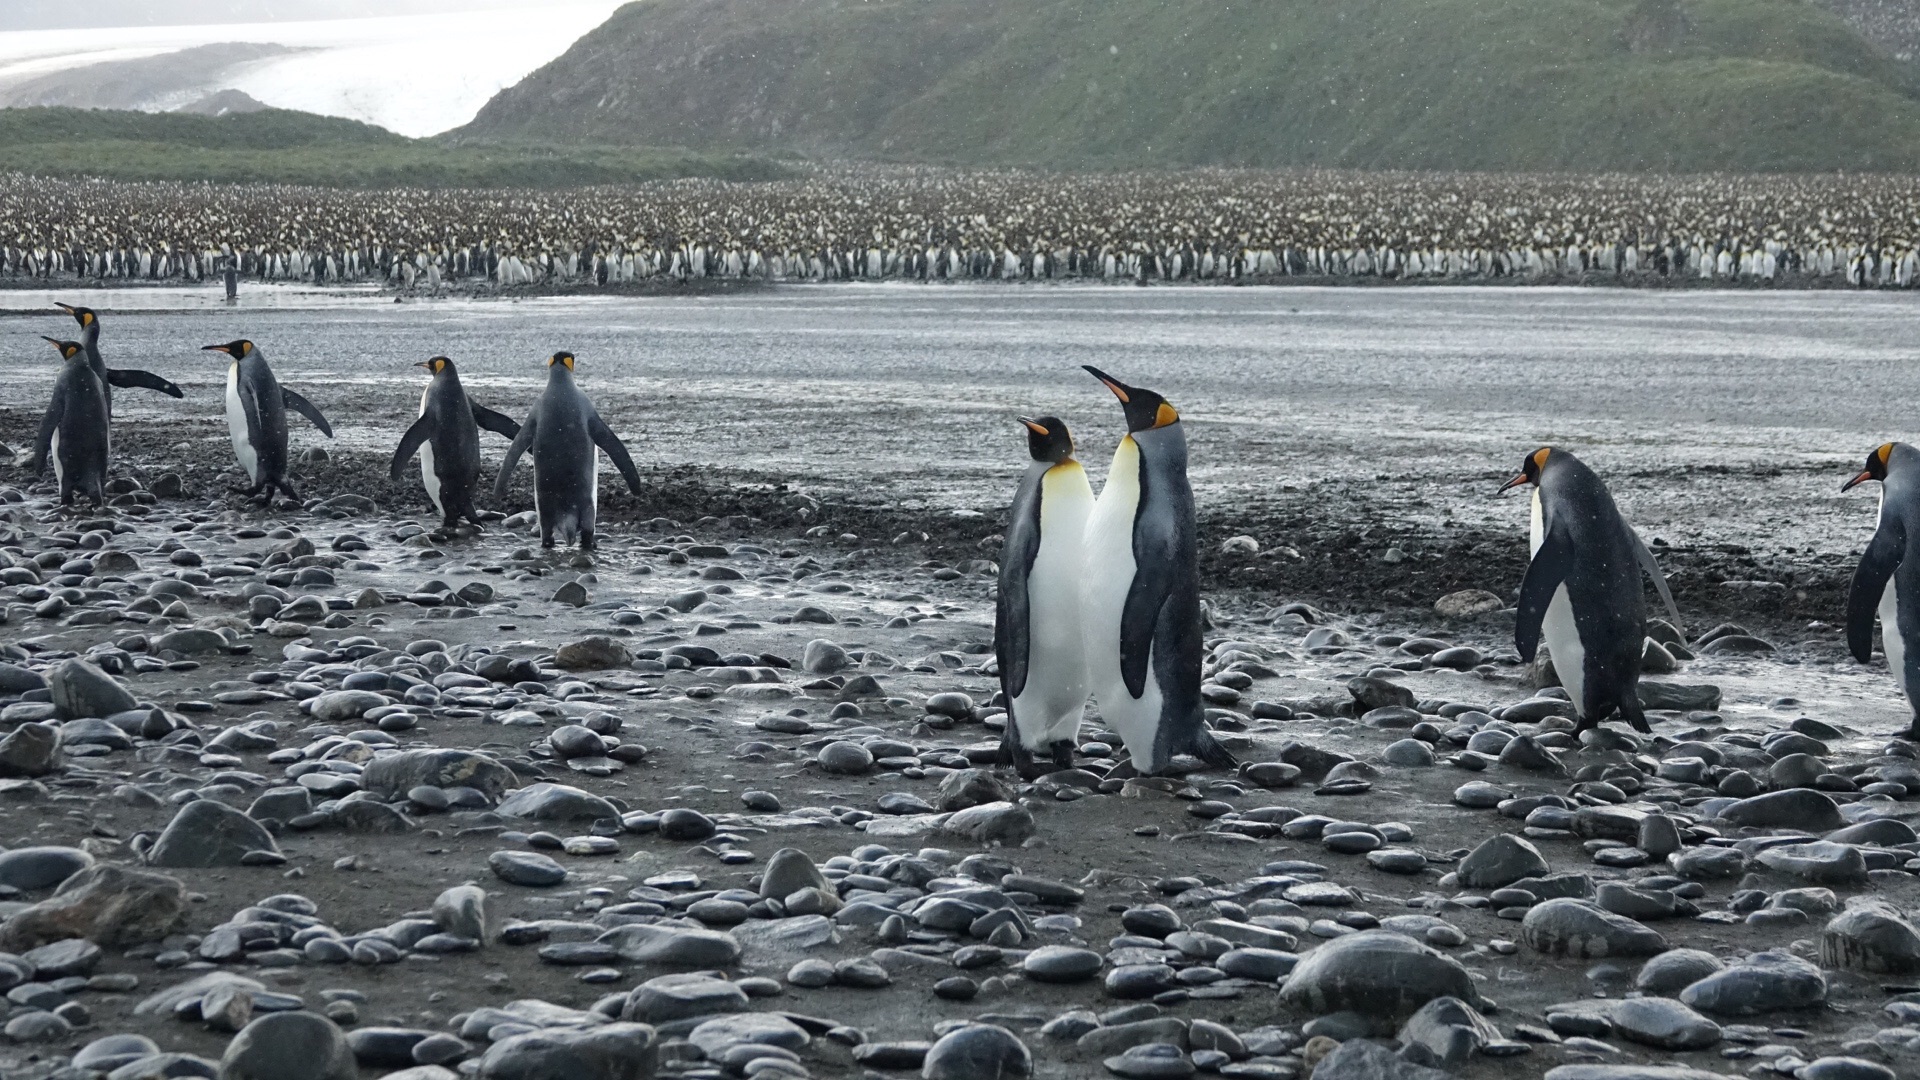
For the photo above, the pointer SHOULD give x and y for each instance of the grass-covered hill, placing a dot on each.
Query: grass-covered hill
(1687, 85)
(280, 146)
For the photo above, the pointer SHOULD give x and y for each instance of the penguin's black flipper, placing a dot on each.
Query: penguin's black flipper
(605, 439)
(1652, 567)
(132, 378)
(410, 443)
(1155, 552)
(43, 442)
(498, 423)
(305, 408)
(520, 444)
(1012, 612)
(1870, 584)
(1544, 575)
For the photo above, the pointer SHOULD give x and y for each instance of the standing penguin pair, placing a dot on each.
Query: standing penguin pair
(1123, 572)
(1582, 589)
(75, 437)
(71, 400)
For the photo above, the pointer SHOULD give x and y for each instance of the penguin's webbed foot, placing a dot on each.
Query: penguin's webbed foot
(1063, 754)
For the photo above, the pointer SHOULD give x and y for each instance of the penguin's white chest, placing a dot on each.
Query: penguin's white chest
(428, 478)
(237, 426)
(59, 464)
(1049, 706)
(1560, 632)
(1109, 571)
(1890, 638)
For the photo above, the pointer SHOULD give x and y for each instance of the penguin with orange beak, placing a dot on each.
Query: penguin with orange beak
(1141, 591)
(1582, 590)
(447, 437)
(1887, 582)
(1037, 634)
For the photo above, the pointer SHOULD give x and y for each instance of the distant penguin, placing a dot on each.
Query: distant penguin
(73, 433)
(257, 419)
(1141, 591)
(1582, 589)
(566, 436)
(1037, 631)
(447, 438)
(1887, 583)
(111, 377)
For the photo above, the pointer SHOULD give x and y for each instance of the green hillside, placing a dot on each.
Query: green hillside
(1483, 84)
(280, 146)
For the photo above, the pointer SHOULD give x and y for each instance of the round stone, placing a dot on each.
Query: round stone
(977, 1052)
(1664, 1024)
(1061, 964)
(1151, 1061)
(526, 868)
(845, 759)
(1583, 930)
(1375, 973)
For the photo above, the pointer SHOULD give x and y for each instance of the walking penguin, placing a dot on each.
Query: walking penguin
(1582, 590)
(257, 419)
(566, 435)
(447, 438)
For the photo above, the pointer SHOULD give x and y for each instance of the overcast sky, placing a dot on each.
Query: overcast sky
(418, 67)
(74, 14)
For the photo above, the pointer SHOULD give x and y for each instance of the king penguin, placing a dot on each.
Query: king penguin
(1582, 589)
(73, 433)
(1141, 591)
(447, 437)
(257, 419)
(109, 378)
(566, 436)
(1037, 635)
(1887, 582)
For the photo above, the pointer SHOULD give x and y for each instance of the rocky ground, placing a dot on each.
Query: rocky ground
(286, 791)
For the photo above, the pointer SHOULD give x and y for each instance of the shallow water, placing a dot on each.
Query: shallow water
(916, 386)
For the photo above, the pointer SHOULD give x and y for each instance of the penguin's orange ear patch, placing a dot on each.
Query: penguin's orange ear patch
(1165, 415)
(1885, 452)
(1540, 457)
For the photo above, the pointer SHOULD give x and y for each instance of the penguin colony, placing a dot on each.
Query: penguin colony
(865, 223)
(1099, 597)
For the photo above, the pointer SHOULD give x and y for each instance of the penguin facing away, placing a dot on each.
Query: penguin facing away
(109, 378)
(1582, 589)
(1887, 582)
(1141, 591)
(1037, 633)
(447, 438)
(257, 419)
(565, 435)
(74, 435)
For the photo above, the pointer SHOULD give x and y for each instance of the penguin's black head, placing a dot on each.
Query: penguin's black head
(1530, 469)
(1876, 467)
(439, 365)
(84, 316)
(564, 359)
(236, 349)
(1145, 409)
(1048, 439)
(68, 349)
